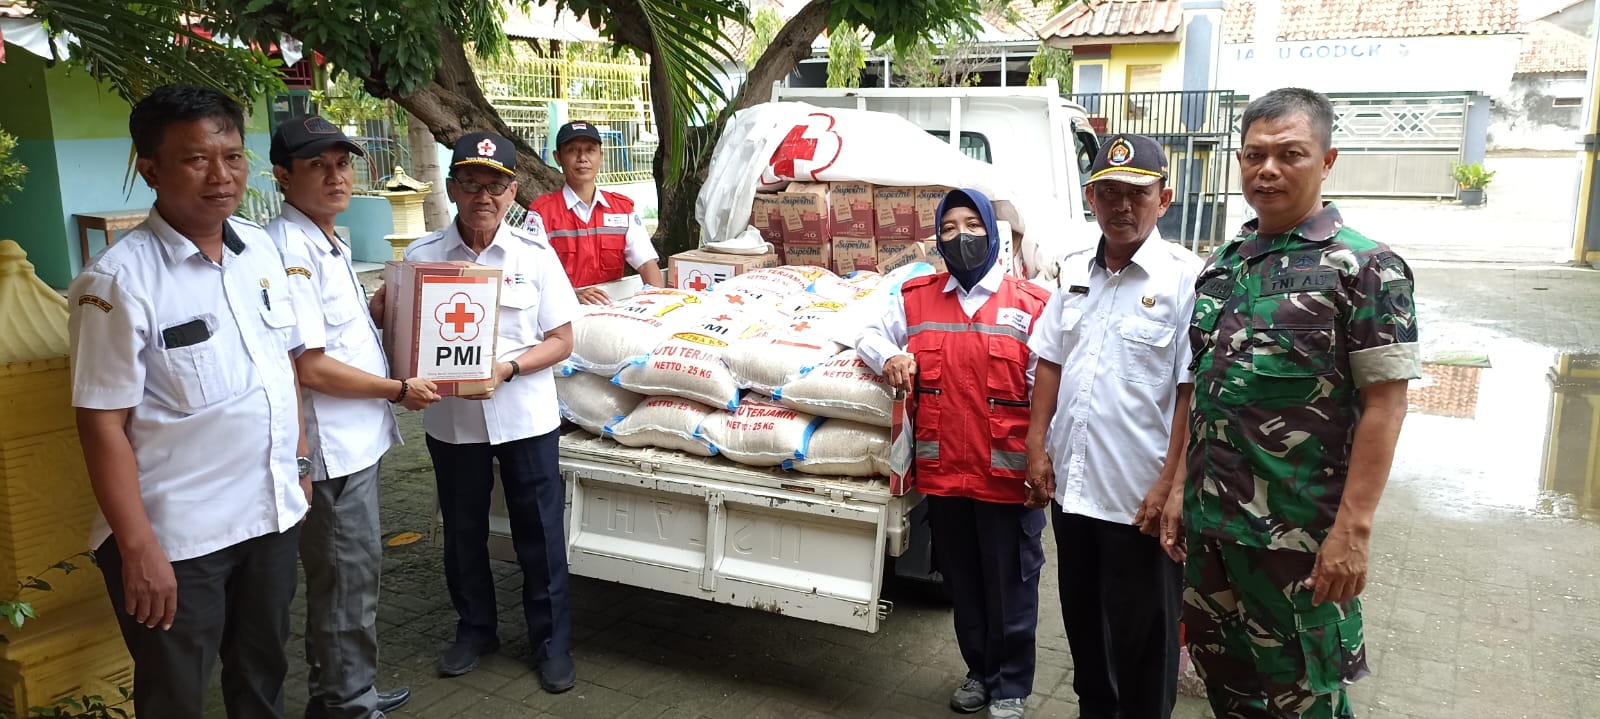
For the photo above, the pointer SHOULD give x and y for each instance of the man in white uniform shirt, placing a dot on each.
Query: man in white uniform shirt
(1109, 401)
(182, 335)
(515, 423)
(349, 424)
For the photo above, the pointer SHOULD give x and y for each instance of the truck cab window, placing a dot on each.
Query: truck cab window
(973, 144)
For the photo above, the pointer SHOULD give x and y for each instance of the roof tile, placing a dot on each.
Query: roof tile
(1341, 19)
(1551, 48)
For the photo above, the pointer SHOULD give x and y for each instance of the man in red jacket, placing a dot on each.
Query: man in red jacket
(596, 233)
(965, 359)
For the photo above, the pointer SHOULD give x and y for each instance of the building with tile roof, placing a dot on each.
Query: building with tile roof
(1543, 107)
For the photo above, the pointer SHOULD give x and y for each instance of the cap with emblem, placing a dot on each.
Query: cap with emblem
(307, 136)
(485, 149)
(1134, 159)
(574, 130)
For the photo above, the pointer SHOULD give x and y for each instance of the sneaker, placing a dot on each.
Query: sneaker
(970, 697)
(1007, 708)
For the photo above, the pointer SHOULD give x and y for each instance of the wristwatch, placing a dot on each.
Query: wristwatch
(304, 463)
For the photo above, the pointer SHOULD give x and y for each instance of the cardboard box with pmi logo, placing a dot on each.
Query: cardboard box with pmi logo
(700, 270)
(440, 320)
(849, 226)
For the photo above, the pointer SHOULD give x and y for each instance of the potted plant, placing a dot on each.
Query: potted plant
(1471, 178)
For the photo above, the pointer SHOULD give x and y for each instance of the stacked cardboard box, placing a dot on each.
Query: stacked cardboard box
(849, 226)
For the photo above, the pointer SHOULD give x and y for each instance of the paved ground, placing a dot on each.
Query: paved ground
(1485, 593)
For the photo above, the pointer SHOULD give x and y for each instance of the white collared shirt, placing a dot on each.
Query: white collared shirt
(639, 249)
(212, 419)
(886, 337)
(1123, 345)
(346, 434)
(535, 297)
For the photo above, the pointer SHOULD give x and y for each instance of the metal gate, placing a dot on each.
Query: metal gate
(1197, 130)
(1393, 145)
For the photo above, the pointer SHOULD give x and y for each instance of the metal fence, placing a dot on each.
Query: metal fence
(535, 95)
(263, 201)
(1196, 129)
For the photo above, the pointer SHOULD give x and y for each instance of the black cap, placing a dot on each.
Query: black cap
(307, 136)
(574, 130)
(485, 149)
(1134, 159)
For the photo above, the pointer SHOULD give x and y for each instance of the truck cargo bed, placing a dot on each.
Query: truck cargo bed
(785, 542)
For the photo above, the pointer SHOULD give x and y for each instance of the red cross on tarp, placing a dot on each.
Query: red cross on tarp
(795, 146)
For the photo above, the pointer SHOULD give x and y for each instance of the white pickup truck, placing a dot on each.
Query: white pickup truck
(815, 548)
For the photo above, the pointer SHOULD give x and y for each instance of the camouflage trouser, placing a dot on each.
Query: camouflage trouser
(1262, 648)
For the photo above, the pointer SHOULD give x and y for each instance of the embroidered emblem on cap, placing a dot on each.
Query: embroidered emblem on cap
(580, 126)
(318, 126)
(486, 148)
(1147, 301)
(1121, 152)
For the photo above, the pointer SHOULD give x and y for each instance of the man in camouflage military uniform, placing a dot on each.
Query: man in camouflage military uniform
(1304, 339)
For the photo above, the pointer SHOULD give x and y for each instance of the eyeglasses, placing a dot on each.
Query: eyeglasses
(495, 189)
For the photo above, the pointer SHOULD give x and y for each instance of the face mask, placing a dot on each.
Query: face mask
(965, 251)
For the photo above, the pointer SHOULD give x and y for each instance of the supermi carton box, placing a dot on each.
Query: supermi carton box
(927, 201)
(698, 270)
(440, 320)
(896, 213)
(851, 205)
(805, 214)
(767, 217)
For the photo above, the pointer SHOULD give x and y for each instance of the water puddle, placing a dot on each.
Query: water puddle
(1506, 426)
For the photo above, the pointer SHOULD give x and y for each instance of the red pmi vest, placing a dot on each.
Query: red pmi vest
(972, 407)
(591, 252)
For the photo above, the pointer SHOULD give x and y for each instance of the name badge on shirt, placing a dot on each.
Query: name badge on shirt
(616, 219)
(1015, 318)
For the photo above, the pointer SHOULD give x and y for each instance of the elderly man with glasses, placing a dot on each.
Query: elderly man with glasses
(514, 423)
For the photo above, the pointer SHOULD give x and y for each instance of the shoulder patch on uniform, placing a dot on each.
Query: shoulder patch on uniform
(303, 272)
(95, 301)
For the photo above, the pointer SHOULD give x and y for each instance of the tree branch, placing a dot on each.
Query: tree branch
(453, 104)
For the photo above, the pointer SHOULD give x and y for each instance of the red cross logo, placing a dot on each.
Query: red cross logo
(808, 149)
(698, 281)
(722, 318)
(486, 148)
(735, 299)
(458, 318)
(800, 327)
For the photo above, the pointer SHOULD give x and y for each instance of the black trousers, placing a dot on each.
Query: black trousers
(991, 555)
(531, 478)
(232, 603)
(1121, 598)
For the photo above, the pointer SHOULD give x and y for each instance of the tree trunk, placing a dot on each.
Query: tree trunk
(425, 167)
(453, 105)
(677, 230)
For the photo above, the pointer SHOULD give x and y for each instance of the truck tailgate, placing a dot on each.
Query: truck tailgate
(784, 542)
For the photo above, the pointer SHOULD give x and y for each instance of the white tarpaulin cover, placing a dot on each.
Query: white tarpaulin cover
(771, 144)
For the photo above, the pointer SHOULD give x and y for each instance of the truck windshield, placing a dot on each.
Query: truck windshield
(973, 144)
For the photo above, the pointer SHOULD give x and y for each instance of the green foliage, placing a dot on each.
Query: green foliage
(136, 47)
(11, 171)
(764, 24)
(1471, 176)
(344, 102)
(901, 24)
(846, 57)
(1050, 62)
(16, 611)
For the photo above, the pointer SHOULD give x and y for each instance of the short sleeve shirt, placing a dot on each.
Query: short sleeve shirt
(199, 354)
(535, 297)
(1287, 329)
(346, 434)
(1121, 339)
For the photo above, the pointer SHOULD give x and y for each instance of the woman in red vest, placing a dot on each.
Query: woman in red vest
(596, 233)
(966, 364)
